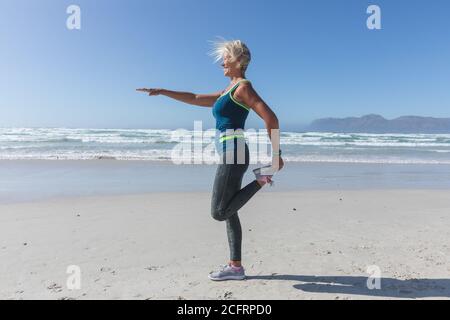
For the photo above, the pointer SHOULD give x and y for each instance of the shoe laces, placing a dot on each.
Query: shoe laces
(223, 267)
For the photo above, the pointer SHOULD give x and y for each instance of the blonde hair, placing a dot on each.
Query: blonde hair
(237, 50)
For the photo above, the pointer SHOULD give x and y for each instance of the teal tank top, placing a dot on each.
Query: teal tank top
(228, 112)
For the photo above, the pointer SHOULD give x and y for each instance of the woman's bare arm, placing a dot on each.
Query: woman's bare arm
(246, 94)
(202, 100)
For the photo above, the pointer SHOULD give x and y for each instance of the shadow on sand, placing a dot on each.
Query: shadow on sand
(394, 288)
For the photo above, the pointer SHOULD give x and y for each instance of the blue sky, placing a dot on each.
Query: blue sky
(311, 59)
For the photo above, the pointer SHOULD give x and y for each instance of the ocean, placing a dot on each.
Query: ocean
(159, 145)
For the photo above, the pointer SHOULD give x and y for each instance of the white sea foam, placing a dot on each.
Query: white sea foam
(156, 145)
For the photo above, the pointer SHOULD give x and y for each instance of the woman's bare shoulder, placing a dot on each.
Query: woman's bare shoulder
(245, 88)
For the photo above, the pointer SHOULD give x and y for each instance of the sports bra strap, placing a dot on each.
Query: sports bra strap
(237, 85)
(234, 100)
(234, 87)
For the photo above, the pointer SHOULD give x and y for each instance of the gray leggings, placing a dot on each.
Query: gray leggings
(228, 198)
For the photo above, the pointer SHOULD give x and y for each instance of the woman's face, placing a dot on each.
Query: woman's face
(230, 67)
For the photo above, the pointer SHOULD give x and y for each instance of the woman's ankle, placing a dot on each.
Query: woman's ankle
(236, 264)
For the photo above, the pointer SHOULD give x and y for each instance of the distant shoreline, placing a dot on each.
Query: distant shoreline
(374, 123)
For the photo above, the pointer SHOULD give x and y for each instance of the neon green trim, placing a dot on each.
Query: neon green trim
(237, 83)
(226, 138)
(230, 89)
(237, 102)
(223, 95)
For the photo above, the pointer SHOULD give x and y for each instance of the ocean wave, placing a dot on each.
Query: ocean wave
(167, 156)
(150, 144)
(19, 139)
(365, 144)
(440, 151)
(364, 160)
(59, 135)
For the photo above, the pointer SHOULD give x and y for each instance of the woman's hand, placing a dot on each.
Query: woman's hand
(280, 164)
(151, 92)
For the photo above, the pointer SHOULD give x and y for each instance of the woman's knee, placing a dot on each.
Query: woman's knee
(218, 214)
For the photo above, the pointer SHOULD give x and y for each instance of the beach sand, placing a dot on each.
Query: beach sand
(307, 244)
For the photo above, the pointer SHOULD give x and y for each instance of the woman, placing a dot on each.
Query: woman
(230, 109)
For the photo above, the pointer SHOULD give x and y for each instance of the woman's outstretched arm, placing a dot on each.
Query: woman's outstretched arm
(202, 100)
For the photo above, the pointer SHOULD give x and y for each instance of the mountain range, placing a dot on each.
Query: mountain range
(374, 123)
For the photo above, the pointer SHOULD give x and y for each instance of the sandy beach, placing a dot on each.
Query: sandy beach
(306, 244)
(116, 118)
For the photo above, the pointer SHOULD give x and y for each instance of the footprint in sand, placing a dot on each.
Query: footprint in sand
(54, 287)
(228, 295)
(153, 268)
(107, 269)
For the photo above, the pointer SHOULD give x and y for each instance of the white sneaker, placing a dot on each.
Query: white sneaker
(227, 272)
(264, 174)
